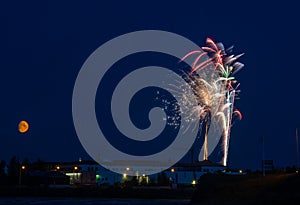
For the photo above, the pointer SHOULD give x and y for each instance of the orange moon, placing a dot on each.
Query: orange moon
(23, 126)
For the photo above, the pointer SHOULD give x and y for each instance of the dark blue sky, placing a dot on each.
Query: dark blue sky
(43, 45)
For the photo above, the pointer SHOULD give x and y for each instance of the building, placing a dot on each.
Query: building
(189, 173)
(91, 173)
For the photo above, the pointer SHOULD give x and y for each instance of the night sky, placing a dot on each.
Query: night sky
(43, 45)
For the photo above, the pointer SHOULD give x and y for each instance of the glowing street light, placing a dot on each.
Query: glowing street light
(194, 182)
(20, 173)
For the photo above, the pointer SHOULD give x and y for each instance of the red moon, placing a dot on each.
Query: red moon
(23, 126)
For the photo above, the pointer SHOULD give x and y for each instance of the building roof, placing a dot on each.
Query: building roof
(208, 163)
(204, 163)
(47, 174)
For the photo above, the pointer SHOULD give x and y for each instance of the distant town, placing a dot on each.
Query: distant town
(90, 173)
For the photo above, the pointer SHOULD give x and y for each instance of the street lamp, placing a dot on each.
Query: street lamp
(75, 174)
(194, 182)
(20, 174)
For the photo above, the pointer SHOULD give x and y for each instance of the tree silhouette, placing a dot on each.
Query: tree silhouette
(2, 168)
(13, 167)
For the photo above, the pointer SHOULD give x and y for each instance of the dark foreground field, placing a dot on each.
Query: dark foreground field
(96, 192)
(89, 201)
(225, 189)
(211, 189)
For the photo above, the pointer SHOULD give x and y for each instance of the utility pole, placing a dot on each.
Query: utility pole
(263, 156)
(192, 155)
(297, 151)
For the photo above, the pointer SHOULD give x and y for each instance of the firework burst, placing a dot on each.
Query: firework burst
(215, 95)
(226, 88)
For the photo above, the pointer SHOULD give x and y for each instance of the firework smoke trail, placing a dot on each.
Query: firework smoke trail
(223, 96)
